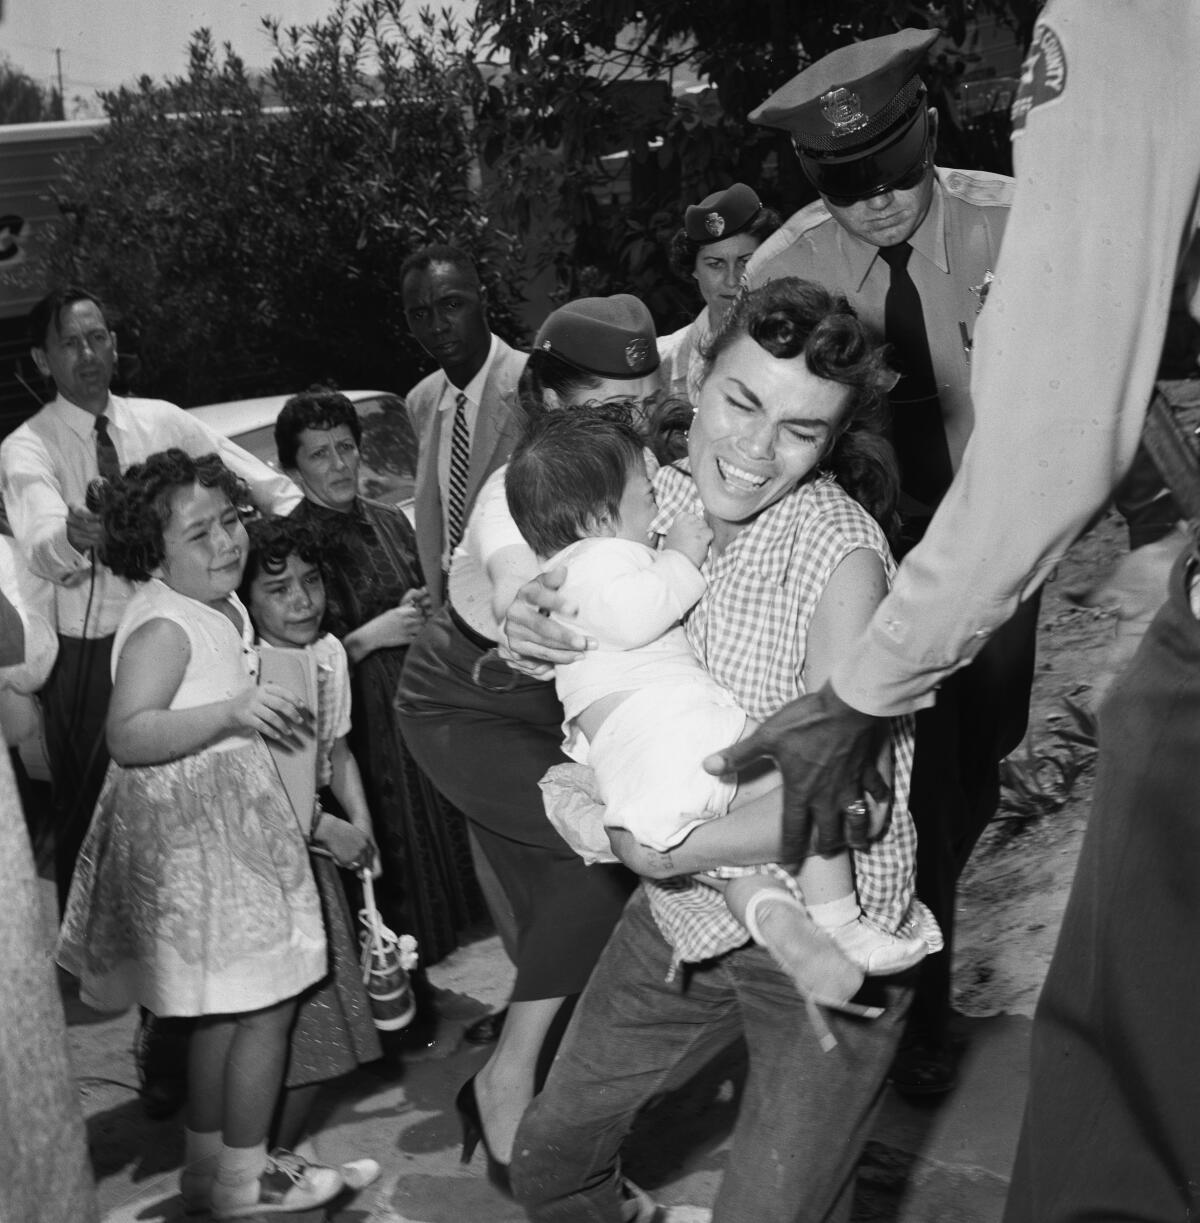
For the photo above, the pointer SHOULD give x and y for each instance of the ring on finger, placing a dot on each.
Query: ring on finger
(856, 808)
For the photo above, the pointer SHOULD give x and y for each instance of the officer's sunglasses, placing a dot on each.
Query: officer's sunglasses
(906, 182)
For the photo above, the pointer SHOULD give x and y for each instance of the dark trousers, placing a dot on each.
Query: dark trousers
(74, 706)
(1110, 1127)
(1143, 500)
(980, 716)
(802, 1122)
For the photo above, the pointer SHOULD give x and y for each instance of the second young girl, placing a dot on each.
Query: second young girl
(334, 1032)
(194, 895)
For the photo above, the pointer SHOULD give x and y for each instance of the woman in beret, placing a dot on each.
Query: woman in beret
(376, 605)
(719, 235)
(486, 734)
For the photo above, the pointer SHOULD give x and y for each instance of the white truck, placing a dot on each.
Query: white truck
(30, 156)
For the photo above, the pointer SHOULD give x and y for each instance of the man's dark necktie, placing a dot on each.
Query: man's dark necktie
(107, 462)
(917, 430)
(460, 466)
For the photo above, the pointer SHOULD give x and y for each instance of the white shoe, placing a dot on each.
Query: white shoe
(289, 1183)
(359, 1173)
(875, 951)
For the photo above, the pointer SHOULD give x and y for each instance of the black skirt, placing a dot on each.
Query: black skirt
(486, 750)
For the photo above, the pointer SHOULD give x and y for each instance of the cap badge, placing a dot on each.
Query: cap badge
(842, 109)
(636, 352)
(714, 222)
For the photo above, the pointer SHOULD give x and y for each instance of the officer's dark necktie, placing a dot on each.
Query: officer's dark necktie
(460, 466)
(107, 462)
(917, 429)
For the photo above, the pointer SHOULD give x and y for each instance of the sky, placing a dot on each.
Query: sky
(106, 43)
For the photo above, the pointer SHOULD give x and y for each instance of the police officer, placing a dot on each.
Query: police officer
(913, 247)
(718, 237)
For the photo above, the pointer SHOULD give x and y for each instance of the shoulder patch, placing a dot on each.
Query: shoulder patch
(1043, 77)
(978, 187)
(792, 230)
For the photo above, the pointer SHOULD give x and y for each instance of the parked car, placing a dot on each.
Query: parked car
(389, 447)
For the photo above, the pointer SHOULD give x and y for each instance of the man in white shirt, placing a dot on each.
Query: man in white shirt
(470, 397)
(46, 465)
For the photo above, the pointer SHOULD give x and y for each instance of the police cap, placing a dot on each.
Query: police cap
(858, 117)
(722, 214)
(612, 337)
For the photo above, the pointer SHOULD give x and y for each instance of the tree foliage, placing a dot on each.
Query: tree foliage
(254, 227)
(253, 230)
(22, 99)
(571, 59)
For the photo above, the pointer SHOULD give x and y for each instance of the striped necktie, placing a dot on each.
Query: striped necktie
(107, 462)
(460, 465)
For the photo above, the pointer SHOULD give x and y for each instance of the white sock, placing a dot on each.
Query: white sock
(834, 913)
(238, 1170)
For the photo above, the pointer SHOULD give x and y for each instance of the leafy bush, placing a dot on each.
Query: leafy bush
(252, 231)
(1043, 778)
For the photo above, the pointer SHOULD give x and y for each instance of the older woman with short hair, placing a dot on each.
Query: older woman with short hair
(376, 604)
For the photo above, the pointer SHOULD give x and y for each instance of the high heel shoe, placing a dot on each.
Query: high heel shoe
(467, 1104)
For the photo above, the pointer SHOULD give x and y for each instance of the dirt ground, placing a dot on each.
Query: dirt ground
(1015, 887)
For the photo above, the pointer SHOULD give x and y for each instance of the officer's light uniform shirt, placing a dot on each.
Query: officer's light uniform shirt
(46, 465)
(1067, 348)
(447, 405)
(955, 250)
(682, 361)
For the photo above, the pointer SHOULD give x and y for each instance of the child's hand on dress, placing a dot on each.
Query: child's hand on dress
(273, 712)
(350, 847)
(691, 535)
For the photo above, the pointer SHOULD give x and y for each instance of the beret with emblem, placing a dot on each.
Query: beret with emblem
(722, 214)
(858, 117)
(612, 337)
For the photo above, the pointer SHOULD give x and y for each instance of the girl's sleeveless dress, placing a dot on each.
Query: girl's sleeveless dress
(334, 1032)
(193, 894)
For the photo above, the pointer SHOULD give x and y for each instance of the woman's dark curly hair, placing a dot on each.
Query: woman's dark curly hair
(136, 508)
(320, 407)
(545, 372)
(667, 429)
(272, 540)
(681, 254)
(790, 318)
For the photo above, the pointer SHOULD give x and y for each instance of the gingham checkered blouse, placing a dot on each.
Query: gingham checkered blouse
(750, 631)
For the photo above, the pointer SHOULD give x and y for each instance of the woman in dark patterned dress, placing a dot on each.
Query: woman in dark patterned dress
(376, 604)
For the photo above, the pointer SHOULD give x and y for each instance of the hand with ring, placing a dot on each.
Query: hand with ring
(827, 752)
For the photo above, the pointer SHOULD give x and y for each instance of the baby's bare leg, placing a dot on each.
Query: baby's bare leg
(751, 785)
